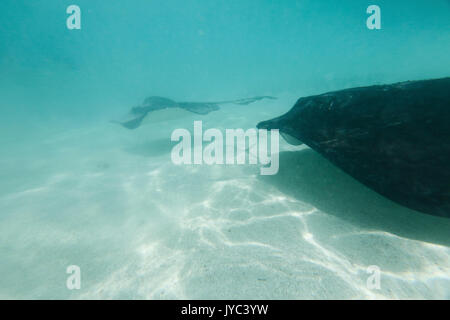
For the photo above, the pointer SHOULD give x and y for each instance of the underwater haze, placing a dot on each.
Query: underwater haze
(79, 190)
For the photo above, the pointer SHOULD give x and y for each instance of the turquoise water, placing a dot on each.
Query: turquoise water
(76, 189)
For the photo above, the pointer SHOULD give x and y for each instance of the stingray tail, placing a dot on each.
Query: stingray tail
(246, 101)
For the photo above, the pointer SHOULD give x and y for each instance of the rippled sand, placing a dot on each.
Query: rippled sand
(111, 201)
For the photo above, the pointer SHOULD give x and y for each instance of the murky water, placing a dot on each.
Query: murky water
(78, 190)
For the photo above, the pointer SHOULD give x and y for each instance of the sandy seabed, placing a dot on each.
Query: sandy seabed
(111, 201)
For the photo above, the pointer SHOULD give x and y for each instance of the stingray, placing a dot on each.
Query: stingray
(137, 114)
(395, 139)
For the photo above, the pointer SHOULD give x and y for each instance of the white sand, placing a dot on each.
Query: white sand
(110, 201)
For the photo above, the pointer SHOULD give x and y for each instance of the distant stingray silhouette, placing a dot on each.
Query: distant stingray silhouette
(134, 118)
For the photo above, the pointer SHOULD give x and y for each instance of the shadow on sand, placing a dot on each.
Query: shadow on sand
(152, 148)
(308, 177)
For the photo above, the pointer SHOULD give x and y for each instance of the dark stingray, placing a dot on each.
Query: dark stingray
(395, 139)
(137, 114)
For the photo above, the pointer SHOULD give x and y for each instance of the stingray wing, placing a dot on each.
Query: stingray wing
(395, 138)
(132, 121)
